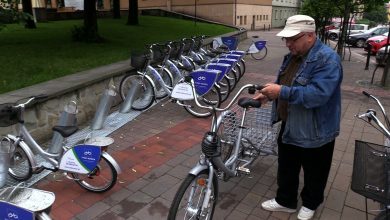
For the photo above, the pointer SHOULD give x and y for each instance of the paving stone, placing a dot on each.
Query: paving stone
(157, 172)
(117, 196)
(156, 210)
(179, 172)
(170, 194)
(350, 213)
(93, 211)
(260, 213)
(177, 160)
(191, 161)
(260, 189)
(329, 214)
(341, 182)
(138, 184)
(132, 204)
(335, 200)
(236, 215)
(160, 185)
(244, 208)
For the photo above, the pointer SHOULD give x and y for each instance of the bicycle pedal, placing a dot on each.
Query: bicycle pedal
(244, 170)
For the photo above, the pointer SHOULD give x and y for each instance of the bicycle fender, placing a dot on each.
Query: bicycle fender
(151, 82)
(198, 168)
(26, 149)
(112, 161)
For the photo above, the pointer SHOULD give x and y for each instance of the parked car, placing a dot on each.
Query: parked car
(376, 43)
(359, 40)
(354, 28)
(381, 57)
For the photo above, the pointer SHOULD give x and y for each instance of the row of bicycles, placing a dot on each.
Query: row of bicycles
(196, 77)
(216, 71)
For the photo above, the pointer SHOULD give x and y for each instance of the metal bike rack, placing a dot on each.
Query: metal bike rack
(103, 108)
(128, 102)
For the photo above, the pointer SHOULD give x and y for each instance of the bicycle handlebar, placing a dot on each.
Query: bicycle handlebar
(251, 87)
(30, 99)
(371, 116)
(381, 107)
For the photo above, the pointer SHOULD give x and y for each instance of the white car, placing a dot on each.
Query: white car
(355, 28)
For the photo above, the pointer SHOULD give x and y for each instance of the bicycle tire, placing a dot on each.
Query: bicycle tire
(232, 75)
(261, 54)
(224, 88)
(189, 187)
(95, 181)
(242, 66)
(20, 167)
(167, 78)
(145, 95)
(213, 97)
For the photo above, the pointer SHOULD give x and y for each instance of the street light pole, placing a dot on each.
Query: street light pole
(195, 11)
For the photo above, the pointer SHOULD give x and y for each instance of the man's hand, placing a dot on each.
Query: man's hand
(271, 91)
(262, 98)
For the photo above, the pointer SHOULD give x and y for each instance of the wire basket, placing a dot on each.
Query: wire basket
(371, 169)
(139, 60)
(8, 115)
(175, 49)
(259, 129)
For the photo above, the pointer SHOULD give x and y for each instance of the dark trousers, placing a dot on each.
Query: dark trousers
(316, 164)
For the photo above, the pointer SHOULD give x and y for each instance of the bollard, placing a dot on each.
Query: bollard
(130, 97)
(269, 27)
(67, 118)
(6, 151)
(264, 27)
(368, 56)
(103, 109)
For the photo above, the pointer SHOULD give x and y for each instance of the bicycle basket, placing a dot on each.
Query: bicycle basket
(8, 115)
(158, 54)
(175, 49)
(258, 131)
(371, 167)
(139, 60)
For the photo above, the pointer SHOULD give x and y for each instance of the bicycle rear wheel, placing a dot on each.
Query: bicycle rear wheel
(261, 54)
(20, 166)
(233, 76)
(100, 179)
(227, 131)
(188, 200)
(241, 65)
(143, 91)
(212, 98)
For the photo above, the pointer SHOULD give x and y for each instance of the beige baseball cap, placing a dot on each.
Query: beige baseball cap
(297, 24)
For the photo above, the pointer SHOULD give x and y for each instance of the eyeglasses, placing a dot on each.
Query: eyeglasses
(292, 40)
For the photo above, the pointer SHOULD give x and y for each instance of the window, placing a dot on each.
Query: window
(266, 17)
(240, 20)
(260, 17)
(244, 19)
(276, 12)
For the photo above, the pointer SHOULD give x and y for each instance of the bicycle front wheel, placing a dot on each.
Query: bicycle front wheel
(100, 179)
(212, 98)
(140, 87)
(224, 88)
(20, 166)
(188, 200)
(261, 54)
(167, 79)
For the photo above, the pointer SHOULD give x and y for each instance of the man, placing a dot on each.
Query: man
(307, 100)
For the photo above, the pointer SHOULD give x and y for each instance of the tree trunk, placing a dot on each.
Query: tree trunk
(27, 8)
(116, 9)
(90, 21)
(133, 13)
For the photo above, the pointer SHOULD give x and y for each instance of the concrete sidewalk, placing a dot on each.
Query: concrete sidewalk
(158, 148)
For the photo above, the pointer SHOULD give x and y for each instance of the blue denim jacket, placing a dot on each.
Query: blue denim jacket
(314, 99)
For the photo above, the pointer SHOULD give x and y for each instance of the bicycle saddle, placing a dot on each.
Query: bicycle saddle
(65, 131)
(247, 102)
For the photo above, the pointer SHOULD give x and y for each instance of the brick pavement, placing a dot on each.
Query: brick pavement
(158, 148)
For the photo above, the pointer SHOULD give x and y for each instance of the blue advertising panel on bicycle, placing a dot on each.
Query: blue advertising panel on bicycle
(81, 158)
(204, 80)
(238, 52)
(231, 56)
(231, 42)
(13, 212)
(260, 44)
(231, 62)
(223, 67)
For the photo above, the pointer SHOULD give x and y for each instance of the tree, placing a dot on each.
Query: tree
(378, 15)
(27, 8)
(116, 10)
(133, 13)
(89, 31)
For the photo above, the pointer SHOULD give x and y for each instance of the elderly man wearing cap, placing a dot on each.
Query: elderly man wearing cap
(307, 100)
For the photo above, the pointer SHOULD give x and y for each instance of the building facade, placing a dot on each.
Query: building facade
(249, 14)
(282, 9)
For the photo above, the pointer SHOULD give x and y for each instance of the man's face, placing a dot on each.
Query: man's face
(299, 44)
